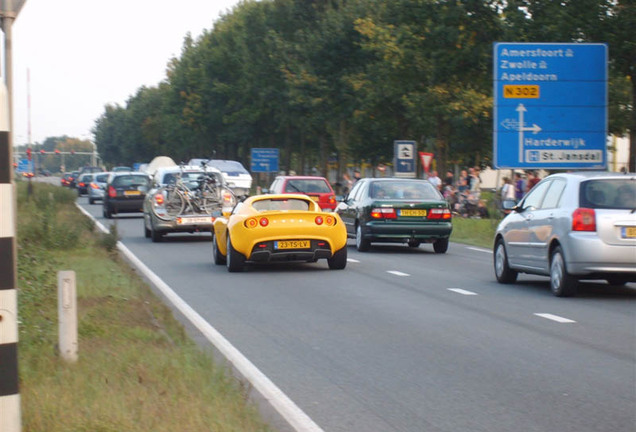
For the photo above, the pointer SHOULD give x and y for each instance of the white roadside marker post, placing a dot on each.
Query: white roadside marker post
(67, 315)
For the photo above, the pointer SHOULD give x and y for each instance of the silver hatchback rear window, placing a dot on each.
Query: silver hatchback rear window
(608, 194)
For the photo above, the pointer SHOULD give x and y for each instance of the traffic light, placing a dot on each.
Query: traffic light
(28, 152)
(57, 151)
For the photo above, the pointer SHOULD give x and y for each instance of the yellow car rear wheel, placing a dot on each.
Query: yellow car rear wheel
(339, 260)
(219, 258)
(234, 259)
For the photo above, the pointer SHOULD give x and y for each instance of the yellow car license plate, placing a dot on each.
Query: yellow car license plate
(409, 212)
(292, 244)
(629, 232)
(132, 193)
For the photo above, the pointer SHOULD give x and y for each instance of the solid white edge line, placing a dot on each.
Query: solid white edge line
(397, 273)
(479, 249)
(300, 421)
(462, 291)
(555, 318)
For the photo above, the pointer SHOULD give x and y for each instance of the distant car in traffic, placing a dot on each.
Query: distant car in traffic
(394, 210)
(274, 228)
(236, 176)
(66, 179)
(125, 193)
(83, 183)
(571, 226)
(317, 188)
(90, 169)
(121, 168)
(97, 188)
(73, 179)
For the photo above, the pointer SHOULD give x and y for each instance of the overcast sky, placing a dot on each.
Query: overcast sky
(84, 54)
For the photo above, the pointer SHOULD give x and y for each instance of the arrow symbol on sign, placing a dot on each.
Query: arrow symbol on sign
(534, 129)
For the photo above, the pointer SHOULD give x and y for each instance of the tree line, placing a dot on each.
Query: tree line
(340, 80)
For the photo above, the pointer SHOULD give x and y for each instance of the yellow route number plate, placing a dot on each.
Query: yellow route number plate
(521, 92)
(132, 193)
(629, 232)
(292, 244)
(409, 212)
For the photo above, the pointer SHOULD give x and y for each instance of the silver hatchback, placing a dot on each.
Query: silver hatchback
(571, 226)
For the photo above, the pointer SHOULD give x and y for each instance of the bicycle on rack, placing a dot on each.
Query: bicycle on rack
(201, 196)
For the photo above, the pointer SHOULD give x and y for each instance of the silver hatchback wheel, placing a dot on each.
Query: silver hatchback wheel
(503, 272)
(562, 283)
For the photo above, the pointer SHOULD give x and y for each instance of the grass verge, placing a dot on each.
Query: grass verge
(137, 369)
(475, 232)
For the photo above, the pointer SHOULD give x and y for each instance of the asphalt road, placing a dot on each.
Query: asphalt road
(408, 340)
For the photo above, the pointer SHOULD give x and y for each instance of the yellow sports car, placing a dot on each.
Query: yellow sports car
(285, 227)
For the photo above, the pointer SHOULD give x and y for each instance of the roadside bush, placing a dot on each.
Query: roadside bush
(109, 240)
(42, 226)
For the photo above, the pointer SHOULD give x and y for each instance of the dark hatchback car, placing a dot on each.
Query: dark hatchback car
(72, 180)
(125, 193)
(392, 210)
(83, 183)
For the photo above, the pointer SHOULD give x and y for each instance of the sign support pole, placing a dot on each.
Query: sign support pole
(9, 395)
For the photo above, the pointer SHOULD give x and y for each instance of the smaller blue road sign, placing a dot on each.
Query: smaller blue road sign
(404, 159)
(550, 105)
(264, 160)
(24, 165)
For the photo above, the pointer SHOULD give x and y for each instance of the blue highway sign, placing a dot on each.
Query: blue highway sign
(550, 105)
(264, 160)
(24, 165)
(404, 159)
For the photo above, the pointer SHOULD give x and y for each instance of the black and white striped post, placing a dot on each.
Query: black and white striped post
(9, 395)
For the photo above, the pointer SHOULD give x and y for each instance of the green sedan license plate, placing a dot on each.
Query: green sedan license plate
(292, 244)
(410, 212)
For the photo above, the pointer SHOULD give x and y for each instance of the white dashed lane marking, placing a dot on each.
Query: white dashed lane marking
(462, 291)
(555, 318)
(397, 273)
(352, 260)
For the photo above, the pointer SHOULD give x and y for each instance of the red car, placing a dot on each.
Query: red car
(66, 180)
(317, 188)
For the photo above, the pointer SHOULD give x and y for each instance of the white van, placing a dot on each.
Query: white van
(236, 176)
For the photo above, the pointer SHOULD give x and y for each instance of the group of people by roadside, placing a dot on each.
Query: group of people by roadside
(514, 189)
(463, 193)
